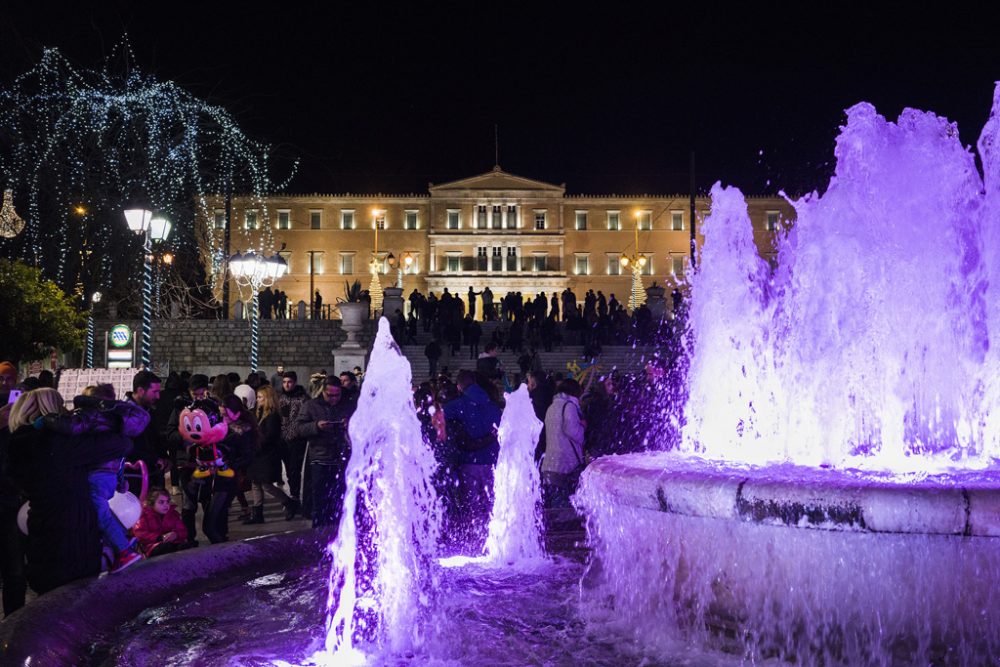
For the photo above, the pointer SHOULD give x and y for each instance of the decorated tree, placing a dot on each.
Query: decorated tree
(37, 315)
(78, 146)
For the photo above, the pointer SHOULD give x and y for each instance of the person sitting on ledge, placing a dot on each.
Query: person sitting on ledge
(160, 529)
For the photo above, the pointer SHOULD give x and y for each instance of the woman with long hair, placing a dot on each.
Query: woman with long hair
(265, 470)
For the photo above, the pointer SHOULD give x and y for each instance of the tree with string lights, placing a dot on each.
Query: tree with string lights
(78, 146)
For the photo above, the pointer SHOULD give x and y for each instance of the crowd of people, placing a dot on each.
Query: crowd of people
(207, 442)
(68, 463)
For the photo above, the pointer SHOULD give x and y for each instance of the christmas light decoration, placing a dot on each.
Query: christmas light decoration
(11, 223)
(91, 140)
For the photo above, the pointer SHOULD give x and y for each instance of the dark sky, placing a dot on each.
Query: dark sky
(604, 97)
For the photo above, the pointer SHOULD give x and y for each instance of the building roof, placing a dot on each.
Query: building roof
(497, 180)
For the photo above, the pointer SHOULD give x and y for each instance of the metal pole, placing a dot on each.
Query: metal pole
(312, 271)
(694, 241)
(225, 252)
(88, 361)
(147, 301)
(254, 329)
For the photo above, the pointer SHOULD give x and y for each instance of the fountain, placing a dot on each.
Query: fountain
(835, 497)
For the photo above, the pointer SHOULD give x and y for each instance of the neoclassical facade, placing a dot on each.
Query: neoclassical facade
(495, 229)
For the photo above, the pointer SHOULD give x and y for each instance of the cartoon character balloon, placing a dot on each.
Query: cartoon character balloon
(203, 428)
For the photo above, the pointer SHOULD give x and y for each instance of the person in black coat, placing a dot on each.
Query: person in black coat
(322, 422)
(265, 470)
(236, 450)
(51, 467)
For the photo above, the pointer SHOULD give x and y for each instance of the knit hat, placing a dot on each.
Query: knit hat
(7, 368)
(247, 395)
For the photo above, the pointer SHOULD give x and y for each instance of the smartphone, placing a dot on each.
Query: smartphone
(14, 395)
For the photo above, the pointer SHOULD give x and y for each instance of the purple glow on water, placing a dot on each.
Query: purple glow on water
(382, 574)
(869, 345)
(515, 523)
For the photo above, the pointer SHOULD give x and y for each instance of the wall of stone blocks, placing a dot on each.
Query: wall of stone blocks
(212, 346)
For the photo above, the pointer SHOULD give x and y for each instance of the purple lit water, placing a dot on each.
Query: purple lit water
(515, 523)
(870, 345)
(383, 574)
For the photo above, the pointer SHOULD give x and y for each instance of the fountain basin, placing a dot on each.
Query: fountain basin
(846, 567)
(61, 627)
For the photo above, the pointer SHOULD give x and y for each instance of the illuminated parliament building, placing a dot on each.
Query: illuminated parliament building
(496, 229)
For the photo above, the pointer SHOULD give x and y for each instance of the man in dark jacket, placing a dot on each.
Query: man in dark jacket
(322, 423)
(472, 420)
(293, 396)
(148, 447)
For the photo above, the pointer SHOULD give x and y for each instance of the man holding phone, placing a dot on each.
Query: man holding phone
(322, 422)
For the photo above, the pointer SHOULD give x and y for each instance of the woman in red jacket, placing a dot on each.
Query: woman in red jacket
(160, 529)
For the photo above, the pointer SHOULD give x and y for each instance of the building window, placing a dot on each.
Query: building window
(511, 258)
(482, 262)
(220, 219)
(677, 265)
(497, 217)
(614, 220)
(512, 217)
(315, 261)
(647, 269)
(539, 261)
(380, 220)
(454, 263)
(481, 217)
(410, 220)
(772, 221)
(677, 221)
(315, 219)
(346, 263)
(582, 265)
(540, 220)
(614, 265)
(347, 219)
(454, 219)
(645, 220)
(250, 222)
(497, 263)
(284, 219)
(581, 220)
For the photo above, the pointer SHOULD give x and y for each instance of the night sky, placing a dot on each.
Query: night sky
(607, 98)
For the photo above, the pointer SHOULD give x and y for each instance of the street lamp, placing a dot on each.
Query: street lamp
(254, 271)
(142, 222)
(638, 295)
(406, 263)
(375, 286)
(95, 299)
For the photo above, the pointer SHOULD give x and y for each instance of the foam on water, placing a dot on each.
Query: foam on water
(870, 344)
(383, 575)
(515, 523)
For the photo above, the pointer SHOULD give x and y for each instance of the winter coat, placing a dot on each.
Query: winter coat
(478, 417)
(266, 466)
(330, 446)
(152, 526)
(147, 446)
(289, 405)
(64, 543)
(564, 433)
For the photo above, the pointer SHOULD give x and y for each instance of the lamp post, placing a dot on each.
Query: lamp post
(88, 361)
(141, 221)
(162, 264)
(637, 297)
(401, 266)
(375, 286)
(253, 271)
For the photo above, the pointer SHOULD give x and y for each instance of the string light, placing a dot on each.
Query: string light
(92, 140)
(11, 223)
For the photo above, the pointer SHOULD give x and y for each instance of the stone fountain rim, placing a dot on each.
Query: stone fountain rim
(831, 500)
(60, 627)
